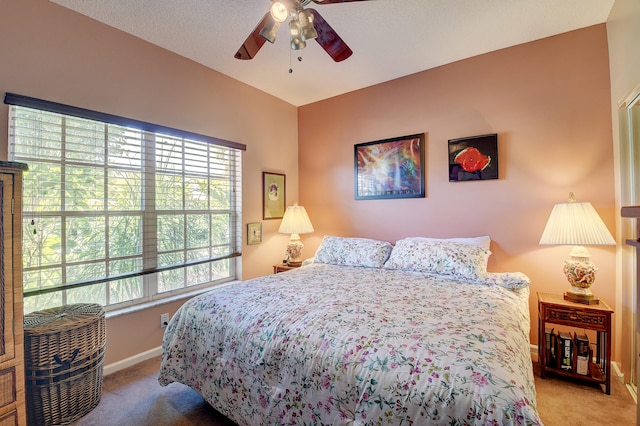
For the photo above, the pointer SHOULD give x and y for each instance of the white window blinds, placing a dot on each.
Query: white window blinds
(118, 211)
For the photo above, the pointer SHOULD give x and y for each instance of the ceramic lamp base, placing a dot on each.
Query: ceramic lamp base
(294, 249)
(581, 273)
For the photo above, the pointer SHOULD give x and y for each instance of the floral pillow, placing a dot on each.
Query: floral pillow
(353, 252)
(440, 257)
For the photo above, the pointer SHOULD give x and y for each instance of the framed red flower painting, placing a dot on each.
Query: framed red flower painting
(473, 158)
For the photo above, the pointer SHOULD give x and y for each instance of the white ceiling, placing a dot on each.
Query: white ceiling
(389, 38)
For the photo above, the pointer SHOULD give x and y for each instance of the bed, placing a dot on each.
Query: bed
(366, 334)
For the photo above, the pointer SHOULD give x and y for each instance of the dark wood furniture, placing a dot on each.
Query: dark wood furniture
(282, 267)
(553, 309)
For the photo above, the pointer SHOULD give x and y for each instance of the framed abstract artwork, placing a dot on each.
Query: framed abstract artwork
(390, 168)
(273, 195)
(473, 158)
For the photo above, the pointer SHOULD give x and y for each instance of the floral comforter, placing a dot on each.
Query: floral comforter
(336, 345)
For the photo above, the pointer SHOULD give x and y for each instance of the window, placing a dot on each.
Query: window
(119, 212)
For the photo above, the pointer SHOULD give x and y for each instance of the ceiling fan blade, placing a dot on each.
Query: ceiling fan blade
(254, 42)
(334, 1)
(329, 39)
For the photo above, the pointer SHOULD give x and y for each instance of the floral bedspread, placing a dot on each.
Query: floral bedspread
(336, 345)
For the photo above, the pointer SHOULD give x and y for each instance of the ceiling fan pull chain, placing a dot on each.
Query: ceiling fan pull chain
(290, 66)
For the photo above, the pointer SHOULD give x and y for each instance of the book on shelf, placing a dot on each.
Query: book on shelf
(551, 347)
(565, 350)
(582, 354)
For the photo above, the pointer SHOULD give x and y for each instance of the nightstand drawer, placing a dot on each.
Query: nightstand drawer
(560, 315)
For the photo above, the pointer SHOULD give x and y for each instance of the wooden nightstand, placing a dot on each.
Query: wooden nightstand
(553, 309)
(282, 267)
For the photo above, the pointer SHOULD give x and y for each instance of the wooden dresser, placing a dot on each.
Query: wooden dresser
(12, 393)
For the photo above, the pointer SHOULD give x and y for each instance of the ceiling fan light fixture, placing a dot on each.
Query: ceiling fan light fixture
(305, 24)
(279, 12)
(307, 30)
(270, 29)
(297, 41)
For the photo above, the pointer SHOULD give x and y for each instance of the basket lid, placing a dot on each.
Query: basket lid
(62, 317)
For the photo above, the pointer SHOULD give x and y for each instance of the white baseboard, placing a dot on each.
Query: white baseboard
(534, 352)
(633, 391)
(128, 362)
(616, 371)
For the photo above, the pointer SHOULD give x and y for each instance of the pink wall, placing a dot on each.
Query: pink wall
(549, 103)
(52, 53)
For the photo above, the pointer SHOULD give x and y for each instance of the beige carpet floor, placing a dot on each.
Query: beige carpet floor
(134, 397)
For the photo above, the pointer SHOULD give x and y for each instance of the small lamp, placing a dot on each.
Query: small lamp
(295, 222)
(577, 224)
(307, 29)
(297, 41)
(277, 16)
(279, 11)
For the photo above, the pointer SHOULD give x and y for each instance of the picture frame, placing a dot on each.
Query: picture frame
(273, 195)
(390, 168)
(473, 158)
(254, 233)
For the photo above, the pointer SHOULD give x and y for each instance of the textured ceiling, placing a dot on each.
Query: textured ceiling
(389, 38)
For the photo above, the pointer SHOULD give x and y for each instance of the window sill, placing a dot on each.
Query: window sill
(159, 302)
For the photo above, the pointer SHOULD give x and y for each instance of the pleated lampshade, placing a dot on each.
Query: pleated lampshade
(575, 223)
(295, 221)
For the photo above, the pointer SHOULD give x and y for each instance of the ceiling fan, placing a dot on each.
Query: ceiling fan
(305, 24)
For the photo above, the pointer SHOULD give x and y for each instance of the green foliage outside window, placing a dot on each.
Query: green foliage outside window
(104, 202)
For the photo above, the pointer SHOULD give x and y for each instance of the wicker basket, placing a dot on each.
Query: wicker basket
(64, 356)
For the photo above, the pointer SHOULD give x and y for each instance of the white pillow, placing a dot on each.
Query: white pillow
(484, 242)
(353, 252)
(440, 257)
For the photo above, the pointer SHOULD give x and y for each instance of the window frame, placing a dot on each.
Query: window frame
(150, 282)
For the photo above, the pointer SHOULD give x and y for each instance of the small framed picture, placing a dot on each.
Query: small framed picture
(273, 195)
(473, 158)
(254, 233)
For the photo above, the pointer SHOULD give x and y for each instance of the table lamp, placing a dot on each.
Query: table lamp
(295, 222)
(577, 224)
